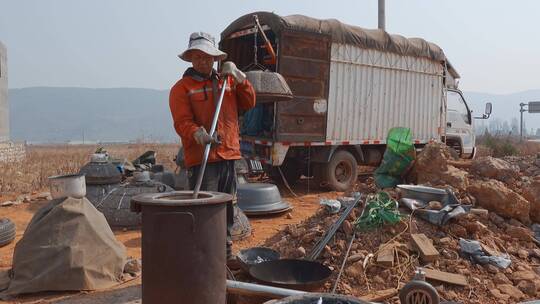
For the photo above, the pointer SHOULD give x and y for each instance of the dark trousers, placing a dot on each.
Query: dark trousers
(221, 177)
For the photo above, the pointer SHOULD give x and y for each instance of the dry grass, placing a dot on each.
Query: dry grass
(31, 174)
(528, 147)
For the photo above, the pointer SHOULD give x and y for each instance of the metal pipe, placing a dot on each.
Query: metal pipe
(250, 289)
(209, 145)
(382, 15)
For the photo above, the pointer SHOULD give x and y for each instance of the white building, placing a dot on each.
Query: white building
(4, 105)
(9, 151)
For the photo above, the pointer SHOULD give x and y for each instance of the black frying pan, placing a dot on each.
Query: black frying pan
(291, 273)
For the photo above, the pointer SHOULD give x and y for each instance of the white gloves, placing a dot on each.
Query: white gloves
(229, 68)
(203, 138)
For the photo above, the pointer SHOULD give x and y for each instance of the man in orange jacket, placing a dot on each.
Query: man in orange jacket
(193, 102)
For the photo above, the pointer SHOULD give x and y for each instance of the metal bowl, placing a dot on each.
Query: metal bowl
(423, 193)
(256, 255)
(260, 199)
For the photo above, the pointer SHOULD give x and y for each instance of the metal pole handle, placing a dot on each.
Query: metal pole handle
(209, 145)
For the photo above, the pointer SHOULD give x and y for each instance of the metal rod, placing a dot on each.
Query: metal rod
(209, 145)
(250, 289)
(353, 236)
(318, 248)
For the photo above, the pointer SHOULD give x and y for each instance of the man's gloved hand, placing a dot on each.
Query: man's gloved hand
(229, 68)
(203, 138)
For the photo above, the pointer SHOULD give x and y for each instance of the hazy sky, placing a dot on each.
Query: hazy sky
(494, 44)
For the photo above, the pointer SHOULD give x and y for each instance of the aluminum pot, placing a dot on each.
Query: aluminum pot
(71, 185)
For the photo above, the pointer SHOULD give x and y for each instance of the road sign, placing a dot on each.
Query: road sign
(534, 107)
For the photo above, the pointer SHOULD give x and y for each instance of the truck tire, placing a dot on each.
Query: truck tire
(341, 172)
(7, 231)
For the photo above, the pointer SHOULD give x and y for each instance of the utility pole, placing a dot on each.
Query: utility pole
(521, 110)
(382, 15)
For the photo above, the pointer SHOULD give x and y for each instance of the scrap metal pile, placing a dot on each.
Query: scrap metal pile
(487, 253)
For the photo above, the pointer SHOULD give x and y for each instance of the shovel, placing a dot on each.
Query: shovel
(209, 145)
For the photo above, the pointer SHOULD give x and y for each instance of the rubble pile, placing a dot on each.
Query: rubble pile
(364, 277)
(432, 167)
(505, 194)
(508, 186)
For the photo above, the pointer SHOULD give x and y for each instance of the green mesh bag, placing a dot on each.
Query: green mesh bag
(397, 158)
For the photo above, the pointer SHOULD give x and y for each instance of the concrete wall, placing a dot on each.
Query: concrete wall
(4, 105)
(12, 152)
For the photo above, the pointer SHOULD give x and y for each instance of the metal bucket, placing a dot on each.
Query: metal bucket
(183, 246)
(312, 298)
(71, 185)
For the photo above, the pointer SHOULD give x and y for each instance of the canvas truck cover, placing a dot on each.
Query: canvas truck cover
(345, 34)
(67, 245)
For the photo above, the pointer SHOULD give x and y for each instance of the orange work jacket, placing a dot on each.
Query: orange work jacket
(192, 105)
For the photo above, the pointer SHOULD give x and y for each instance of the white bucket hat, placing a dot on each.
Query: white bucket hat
(203, 42)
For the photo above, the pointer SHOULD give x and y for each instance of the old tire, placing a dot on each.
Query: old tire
(417, 292)
(7, 231)
(341, 172)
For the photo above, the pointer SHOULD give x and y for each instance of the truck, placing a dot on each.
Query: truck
(351, 86)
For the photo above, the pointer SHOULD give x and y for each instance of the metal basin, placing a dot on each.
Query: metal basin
(312, 298)
(291, 273)
(269, 86)
(256, 255)
(260, 199)
(423, 193)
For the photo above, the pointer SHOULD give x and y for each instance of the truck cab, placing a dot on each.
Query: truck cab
(460, 133)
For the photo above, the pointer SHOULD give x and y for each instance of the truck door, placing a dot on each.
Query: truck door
(304, 61)
(459, 126)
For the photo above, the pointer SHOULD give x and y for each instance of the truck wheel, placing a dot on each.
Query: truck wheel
(341, 172)
(7, 231)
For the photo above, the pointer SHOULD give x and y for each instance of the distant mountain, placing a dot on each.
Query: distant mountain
(56, 114)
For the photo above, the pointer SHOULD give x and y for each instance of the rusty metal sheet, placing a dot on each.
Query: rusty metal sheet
(304, 61)
(306, 87)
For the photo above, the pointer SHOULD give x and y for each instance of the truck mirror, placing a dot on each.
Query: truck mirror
(489, 107)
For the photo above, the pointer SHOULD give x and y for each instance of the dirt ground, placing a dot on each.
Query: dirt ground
(305, 203)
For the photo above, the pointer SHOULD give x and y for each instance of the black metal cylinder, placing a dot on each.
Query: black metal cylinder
(183, 247)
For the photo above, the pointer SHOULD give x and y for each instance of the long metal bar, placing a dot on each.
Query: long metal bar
(209, 145)
(318, 248)
(250, 289)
